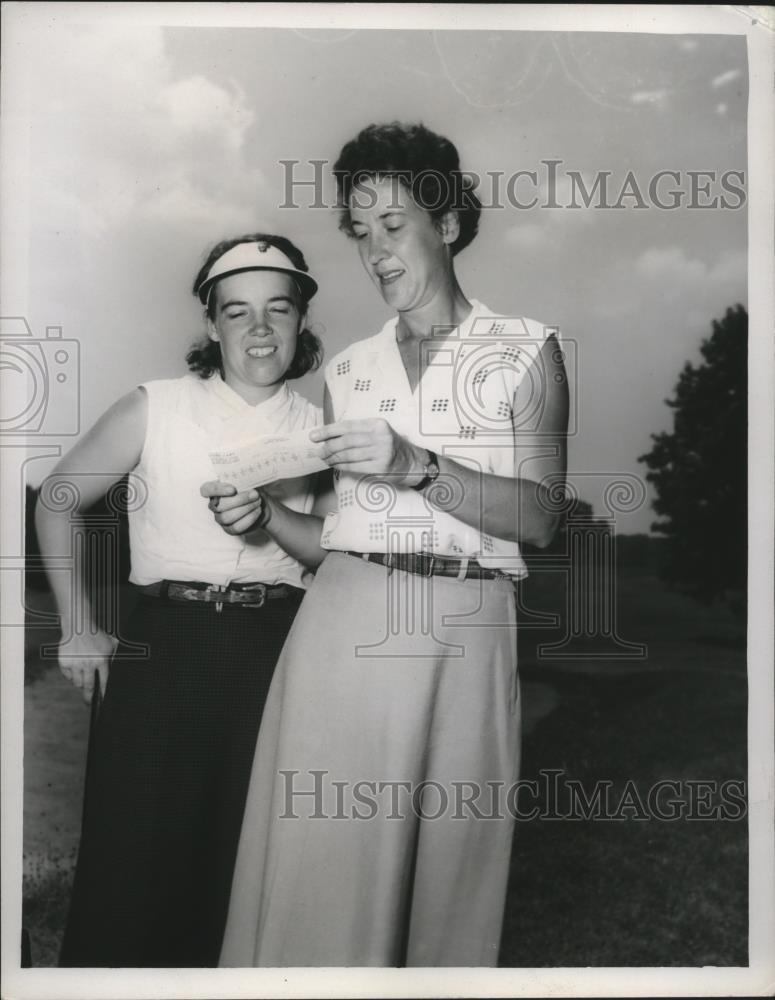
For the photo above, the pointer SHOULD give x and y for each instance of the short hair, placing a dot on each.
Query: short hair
(204, 358)
(427, 165)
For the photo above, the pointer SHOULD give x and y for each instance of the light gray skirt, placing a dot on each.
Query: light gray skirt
(377, 830)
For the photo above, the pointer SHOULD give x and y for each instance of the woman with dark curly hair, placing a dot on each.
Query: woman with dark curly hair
(175, 737)
(378, 824)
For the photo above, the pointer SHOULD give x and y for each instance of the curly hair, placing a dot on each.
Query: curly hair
(204, 358)
(427, 165)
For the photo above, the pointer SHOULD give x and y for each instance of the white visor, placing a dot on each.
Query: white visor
(255, 257)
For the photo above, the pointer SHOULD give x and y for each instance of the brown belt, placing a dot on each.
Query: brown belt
(247, 595)
(426, 564)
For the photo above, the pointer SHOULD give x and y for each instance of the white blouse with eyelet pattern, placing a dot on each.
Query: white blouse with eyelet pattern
(463, 408)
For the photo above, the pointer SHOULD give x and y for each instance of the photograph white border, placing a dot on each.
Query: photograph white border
(756, 24)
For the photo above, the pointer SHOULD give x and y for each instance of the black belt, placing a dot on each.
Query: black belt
(426, 564)
(247, 595)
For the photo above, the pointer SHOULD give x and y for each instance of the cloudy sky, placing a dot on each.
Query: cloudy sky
(148, 144)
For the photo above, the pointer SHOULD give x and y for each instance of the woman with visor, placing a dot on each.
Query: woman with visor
(176, 733)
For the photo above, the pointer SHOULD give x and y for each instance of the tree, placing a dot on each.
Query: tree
(699, 471)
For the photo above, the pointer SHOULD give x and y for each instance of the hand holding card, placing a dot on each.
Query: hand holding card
(262, 460)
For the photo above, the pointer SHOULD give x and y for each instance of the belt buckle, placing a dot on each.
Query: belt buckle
(427, 561)
(260, 591)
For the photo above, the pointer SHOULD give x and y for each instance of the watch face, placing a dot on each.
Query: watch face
(431, 473)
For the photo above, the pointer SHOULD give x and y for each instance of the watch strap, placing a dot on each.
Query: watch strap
(431, 472)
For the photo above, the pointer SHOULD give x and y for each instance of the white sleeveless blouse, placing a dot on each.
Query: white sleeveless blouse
(173, 534)
(463, 408)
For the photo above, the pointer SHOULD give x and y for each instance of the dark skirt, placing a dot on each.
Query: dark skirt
(171, 759)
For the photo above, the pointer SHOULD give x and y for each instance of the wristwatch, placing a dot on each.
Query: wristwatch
(430, 472)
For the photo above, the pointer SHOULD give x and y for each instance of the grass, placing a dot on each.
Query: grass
(55, 732)
(633, 892)
(581, 892)
(47, 881)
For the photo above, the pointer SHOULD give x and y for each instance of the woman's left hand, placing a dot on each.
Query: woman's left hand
(237, 513)
(369, 446)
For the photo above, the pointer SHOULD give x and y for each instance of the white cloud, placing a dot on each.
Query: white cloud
(196, 105)
(673, 267)
(729, 76)
(660, 278)
(648, 97)
(670, 264)
(120, 137)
